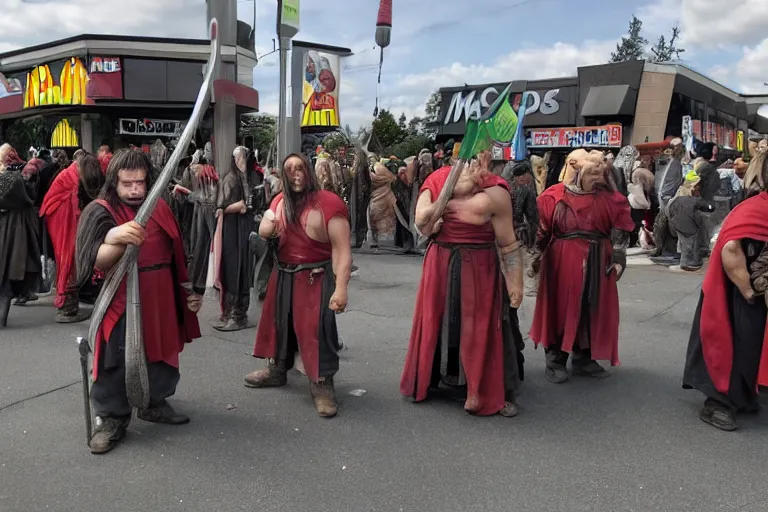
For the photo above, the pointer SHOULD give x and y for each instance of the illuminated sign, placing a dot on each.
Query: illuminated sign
(42, 87)
(64, 136)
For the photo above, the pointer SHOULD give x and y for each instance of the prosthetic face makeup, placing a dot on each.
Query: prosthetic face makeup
(591, 175)
(573, 163)
(296, 172)
(132, 186)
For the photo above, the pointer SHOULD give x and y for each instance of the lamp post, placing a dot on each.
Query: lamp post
(287, 27)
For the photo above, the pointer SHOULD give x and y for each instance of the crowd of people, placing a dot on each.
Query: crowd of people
(530, 228)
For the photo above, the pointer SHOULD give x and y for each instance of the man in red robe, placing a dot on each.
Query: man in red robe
(584, 224)
(727, 357)
(73, 189)
(464, 335)
(308, 285)
(167, 310)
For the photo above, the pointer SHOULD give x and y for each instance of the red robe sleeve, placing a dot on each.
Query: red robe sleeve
(275, 201)
(622, 217)
(435, 181)
(167, 220)
(331, 206)
(748, 220)
(61, 211)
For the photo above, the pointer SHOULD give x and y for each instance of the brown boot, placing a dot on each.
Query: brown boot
(109, 432)
(324, 396)
(273, 376)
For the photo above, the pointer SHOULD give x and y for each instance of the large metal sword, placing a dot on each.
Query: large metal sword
(137, 382)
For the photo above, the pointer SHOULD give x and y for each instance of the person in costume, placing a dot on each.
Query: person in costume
(20, 265)
(522, 184)
(727, 357)
(360, 197)
(168, 310)
(584, 227)
(463, 336)
(382, 205)
(307, 288)
(233, 258)
(199, 186)
(72, 190)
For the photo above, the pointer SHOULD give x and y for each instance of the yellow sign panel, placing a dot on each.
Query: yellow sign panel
(42, 90)
(64, 136)
(320, 95)
(740, 140)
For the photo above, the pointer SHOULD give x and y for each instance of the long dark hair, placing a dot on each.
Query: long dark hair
(91, 180)
(293, 203)
(125, 160)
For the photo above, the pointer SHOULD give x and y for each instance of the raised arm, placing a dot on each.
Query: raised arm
(509, 247)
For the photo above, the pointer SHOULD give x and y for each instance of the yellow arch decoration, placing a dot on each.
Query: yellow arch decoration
(64, 136)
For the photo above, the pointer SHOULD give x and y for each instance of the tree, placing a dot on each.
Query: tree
(401, 122)
(335, 141)
(386, 129)
(664, 51)
(410, 146)
(415, 126)
(432, 114)
(632, 47)
(262, 128)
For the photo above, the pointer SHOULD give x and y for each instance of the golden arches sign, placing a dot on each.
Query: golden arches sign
(64, 136)
(71, 90)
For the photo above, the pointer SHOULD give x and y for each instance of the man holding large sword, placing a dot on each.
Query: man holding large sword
(168, 308)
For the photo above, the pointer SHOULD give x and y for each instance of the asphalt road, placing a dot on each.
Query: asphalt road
(630, 443)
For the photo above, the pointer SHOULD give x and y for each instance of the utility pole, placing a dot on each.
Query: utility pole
(287, 28)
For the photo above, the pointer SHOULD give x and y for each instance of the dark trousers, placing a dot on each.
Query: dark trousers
(108, 394)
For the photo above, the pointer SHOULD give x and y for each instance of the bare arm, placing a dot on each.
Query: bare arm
(235, 207)
(341, 250)
(735, 266)
(424, 211)
(269, 225)
(108, 256)
(509, 247)
(115, 243)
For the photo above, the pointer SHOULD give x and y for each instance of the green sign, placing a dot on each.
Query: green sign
(289, 18)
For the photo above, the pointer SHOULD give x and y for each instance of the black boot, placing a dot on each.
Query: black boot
(5, 307)
(585, 366)
(556, 372)
(718, 415)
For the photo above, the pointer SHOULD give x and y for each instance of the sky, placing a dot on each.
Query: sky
(435, 43)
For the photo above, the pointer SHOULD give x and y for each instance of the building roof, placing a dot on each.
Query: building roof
(120, 46)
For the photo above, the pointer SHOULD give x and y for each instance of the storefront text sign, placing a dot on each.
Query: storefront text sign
(157, 127)
(465, 104)
(608, 136)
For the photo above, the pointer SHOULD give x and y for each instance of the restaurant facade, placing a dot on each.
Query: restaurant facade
(612, 105)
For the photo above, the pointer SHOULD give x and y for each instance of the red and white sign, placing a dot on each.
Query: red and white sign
(608, 136)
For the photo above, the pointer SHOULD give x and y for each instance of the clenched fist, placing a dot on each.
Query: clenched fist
(129, 233)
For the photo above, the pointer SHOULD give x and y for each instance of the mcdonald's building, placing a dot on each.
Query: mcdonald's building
(121, 90)
(611, 105)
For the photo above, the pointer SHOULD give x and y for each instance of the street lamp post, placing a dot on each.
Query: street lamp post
(287, 28)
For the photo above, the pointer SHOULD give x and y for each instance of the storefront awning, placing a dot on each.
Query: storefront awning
(608, 100)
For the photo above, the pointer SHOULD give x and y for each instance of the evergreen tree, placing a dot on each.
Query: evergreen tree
(632, 47)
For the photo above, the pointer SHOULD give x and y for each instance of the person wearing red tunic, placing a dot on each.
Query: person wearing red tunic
(308, 285)
(73, 189)
(584, 224)
(167, 309)
(727, 357)
(464, 335)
